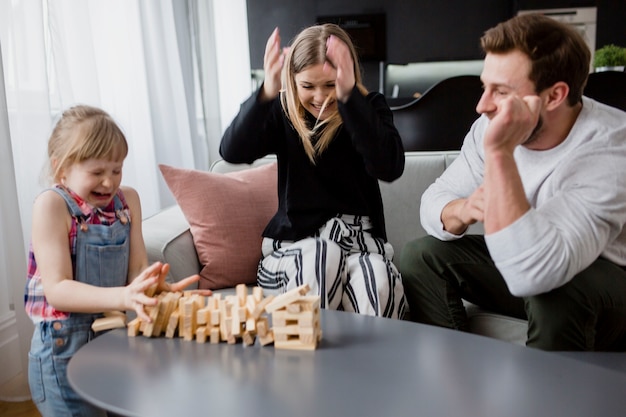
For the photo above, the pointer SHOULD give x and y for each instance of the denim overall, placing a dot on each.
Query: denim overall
(101, 259)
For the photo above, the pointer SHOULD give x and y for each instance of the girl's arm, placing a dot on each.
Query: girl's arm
(51, 225)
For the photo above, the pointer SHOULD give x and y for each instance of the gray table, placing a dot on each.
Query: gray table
(364, 366)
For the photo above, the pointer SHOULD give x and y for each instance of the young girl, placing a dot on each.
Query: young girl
(333, 141)
(86, 246)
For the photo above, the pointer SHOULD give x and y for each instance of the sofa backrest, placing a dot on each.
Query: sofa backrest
(401, 198)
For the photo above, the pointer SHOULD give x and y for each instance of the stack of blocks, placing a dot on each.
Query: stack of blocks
(295, 318)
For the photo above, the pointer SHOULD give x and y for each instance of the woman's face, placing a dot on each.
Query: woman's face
(316, 84)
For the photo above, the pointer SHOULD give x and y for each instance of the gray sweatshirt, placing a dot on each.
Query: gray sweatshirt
(577, 193)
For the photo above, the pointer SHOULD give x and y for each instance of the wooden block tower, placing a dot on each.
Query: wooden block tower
(296, 319)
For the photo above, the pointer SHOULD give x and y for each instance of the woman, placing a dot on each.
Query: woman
(333, 142)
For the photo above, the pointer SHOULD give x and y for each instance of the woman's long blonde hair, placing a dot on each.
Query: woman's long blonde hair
(307, 49)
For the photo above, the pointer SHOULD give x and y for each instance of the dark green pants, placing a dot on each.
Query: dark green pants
(587, 313)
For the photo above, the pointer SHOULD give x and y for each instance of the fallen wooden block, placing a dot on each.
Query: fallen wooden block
(108, 323)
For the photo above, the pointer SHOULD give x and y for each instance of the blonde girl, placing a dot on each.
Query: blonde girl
(87, 253)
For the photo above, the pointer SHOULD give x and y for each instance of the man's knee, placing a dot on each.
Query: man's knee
(558, 320)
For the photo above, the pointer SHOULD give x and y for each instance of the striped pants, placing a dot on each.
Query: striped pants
(343, 263)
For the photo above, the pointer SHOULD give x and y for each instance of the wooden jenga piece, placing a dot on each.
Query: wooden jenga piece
(260, 307)
(242, 293)
(172, 324)
(267, 338)
(214, 333)
(201, 334)
(152, 312)
(248, 338)
(167, 304)
(190, 307)
(257, 294)
(108, 323)
(133, 327)
(290, 296)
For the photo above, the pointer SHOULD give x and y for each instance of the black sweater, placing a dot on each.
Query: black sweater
(344, 179)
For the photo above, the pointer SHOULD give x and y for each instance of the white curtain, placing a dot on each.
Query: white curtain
(142, 61)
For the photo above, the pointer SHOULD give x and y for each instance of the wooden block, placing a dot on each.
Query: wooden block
(305, 316)
(262, 326)
(172, 324)
(215, 317)
(267, 339)
(133, 327)
(260, 307)
(257, 294)
(289, 297)
(242, 313)
(203, 316)
(235, 320)
(107, 323)
(293, 330)
(201, 334)
(181, 313)
(251, 325)
(248, 338)
(294, 344)
(251, 304)
(309, 303)
(214, 335)
(152, 312)
(293, 308)
(242, 292)
(189, 318)
(162, 316)
(213, 302)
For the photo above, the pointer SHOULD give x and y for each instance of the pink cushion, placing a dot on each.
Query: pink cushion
(227, 214)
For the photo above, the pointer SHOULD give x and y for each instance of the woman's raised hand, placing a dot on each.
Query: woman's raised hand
(339, 57)
(272, 66)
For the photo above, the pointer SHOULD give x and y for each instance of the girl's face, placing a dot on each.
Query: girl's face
(314, 85)
(94, 180)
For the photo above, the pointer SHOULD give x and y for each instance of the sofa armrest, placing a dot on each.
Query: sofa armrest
(168, 239)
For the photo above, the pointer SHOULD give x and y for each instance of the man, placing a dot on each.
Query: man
(544, 170)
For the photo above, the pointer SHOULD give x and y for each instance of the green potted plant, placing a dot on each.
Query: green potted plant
(610, 58)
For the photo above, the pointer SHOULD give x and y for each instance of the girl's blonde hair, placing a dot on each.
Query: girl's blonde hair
(307, 49)
(84, 132)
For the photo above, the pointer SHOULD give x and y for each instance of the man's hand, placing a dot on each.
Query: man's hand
(513, 123)
(459, 214)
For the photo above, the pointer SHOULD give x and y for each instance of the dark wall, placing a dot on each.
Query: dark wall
(418, 30)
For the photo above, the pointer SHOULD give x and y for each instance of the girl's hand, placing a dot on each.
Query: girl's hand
(180, 285)
(272, 66)
(338, 56)
(134, 294)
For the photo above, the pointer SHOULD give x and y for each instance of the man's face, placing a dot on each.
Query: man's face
(504, 75)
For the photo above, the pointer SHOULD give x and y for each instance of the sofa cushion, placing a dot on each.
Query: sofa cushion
(227, 214)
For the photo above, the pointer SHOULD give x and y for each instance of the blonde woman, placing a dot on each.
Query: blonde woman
(333, 141)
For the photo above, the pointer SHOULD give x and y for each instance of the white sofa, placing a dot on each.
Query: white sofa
(168, 238)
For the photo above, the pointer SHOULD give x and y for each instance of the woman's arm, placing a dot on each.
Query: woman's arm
(369, 121)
